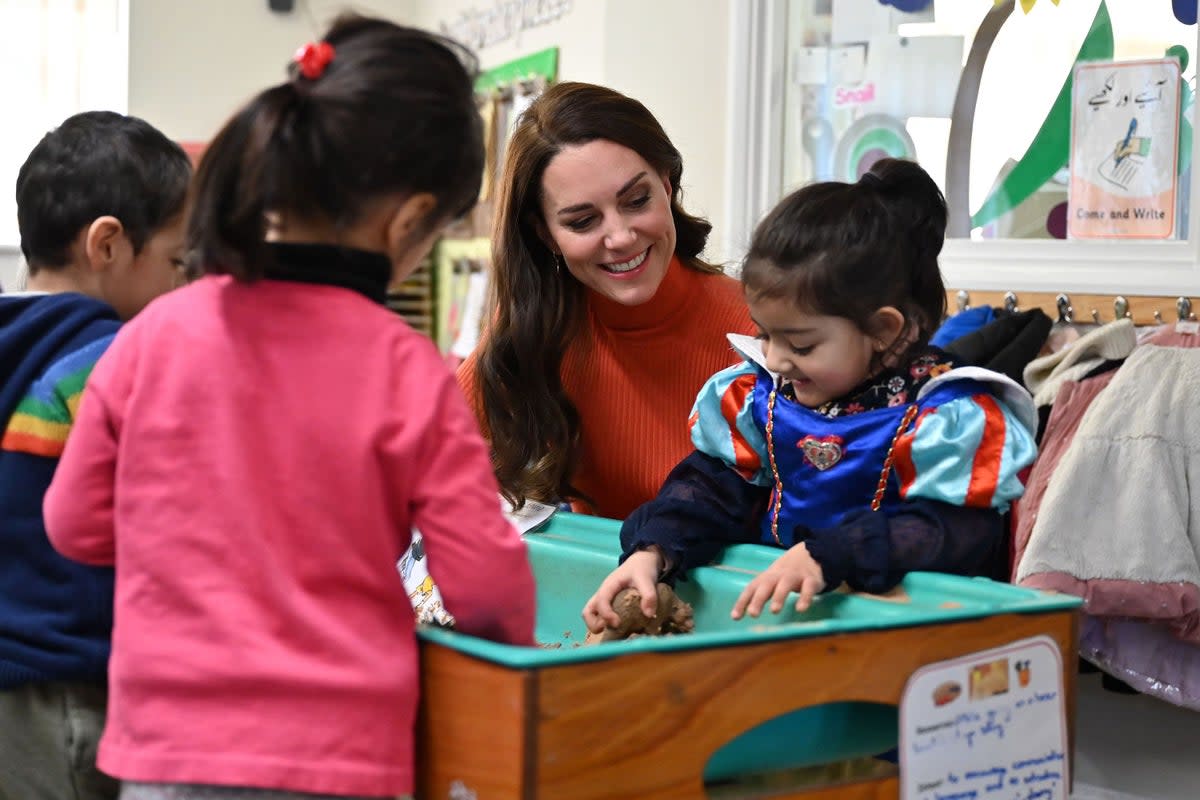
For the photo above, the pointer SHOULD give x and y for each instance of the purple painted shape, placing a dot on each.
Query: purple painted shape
(1056, 221)
(868, 159)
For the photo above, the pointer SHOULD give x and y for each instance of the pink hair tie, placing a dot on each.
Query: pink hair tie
(313, 58)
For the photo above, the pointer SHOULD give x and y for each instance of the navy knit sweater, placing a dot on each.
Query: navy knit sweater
(55, 614)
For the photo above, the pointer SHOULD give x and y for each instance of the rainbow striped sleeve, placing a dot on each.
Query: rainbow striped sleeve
(42, 420)
(967, 452)
(722, 423)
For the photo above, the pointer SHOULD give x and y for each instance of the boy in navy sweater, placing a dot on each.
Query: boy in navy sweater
(100, 204)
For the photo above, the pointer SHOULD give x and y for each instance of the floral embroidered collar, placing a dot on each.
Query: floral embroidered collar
(891, 387)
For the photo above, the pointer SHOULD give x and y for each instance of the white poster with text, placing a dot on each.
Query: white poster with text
(989, 725)
(1124, 150)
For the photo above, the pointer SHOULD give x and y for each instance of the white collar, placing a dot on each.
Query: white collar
(1014, 395)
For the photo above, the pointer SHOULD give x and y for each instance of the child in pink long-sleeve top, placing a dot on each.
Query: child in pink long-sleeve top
(254, 449)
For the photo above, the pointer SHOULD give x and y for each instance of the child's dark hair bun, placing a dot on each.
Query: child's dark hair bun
(915, 198)
(850, 249)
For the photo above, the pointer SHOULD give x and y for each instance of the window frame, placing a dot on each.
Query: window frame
(757, 49)
(120, 95)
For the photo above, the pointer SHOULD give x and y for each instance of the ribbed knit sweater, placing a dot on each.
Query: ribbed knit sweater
(633, 374)
(55, 614)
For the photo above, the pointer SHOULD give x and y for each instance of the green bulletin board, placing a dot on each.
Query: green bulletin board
(543, 63)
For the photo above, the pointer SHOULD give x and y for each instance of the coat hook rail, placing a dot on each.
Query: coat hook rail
(1069, 307)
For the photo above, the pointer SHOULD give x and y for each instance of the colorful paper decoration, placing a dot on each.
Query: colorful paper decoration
(1049, 150)
(1026, 5)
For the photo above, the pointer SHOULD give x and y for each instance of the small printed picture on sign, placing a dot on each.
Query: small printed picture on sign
(1024, 672)
(946, 693)
(989, 679)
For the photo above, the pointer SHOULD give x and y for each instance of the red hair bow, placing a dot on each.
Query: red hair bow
(313, 58)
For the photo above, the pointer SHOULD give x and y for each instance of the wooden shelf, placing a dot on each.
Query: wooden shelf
(413, 299)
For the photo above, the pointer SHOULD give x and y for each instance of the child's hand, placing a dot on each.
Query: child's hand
(640, 571)
(794, 571)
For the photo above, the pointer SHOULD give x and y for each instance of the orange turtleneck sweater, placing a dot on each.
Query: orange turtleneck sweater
(634, 375)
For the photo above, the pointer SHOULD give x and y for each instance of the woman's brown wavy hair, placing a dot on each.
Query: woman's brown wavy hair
(538, 309)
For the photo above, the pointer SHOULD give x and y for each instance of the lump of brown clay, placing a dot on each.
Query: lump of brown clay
(673, 616)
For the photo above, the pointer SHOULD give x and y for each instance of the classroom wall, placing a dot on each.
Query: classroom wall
(674, 58)
(192, 64)
(10, 269)
(663, 52)
(578, 33)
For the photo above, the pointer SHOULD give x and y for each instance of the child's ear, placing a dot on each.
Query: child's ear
(106, 245)
(886, 326)
(411, 217)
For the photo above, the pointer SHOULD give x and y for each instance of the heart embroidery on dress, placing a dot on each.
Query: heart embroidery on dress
(822, 453)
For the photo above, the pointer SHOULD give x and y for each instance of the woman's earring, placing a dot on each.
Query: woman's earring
(559, 262)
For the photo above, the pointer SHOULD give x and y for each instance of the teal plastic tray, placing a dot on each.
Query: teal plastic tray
(573, 553)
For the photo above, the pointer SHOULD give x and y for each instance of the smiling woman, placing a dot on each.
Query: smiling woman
(606, 321)
(618, 242)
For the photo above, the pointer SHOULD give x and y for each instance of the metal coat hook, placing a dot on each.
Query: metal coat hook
(1065, 312)
(1095, 316)
(962, 300)
(1158, 316)
(1010, 302)
(1183, 307)
(1121, 307)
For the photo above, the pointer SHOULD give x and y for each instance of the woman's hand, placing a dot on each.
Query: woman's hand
(640, 572)
(794, 571)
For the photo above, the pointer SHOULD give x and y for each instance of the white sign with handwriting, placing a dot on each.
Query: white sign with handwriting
(989, 726)
(503, 20)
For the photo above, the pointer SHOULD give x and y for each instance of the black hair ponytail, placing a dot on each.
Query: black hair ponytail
(230, 198)
(391, 112)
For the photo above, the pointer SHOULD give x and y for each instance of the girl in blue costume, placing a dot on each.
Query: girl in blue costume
(843, 438)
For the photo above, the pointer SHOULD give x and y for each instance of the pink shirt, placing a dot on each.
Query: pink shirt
(252, 458)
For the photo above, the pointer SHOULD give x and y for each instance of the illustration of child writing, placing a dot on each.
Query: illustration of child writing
(1127, 158)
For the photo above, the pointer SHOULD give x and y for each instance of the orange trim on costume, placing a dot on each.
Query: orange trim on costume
(16, 442)
(733, 401)
(906, 471)
(985, 471)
